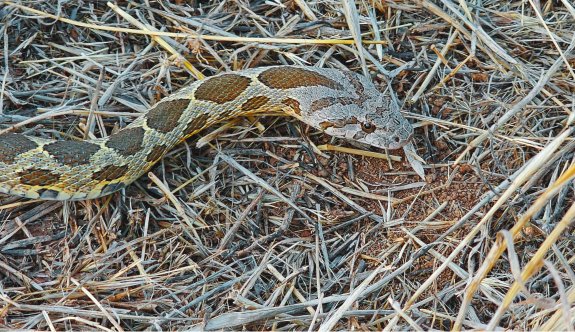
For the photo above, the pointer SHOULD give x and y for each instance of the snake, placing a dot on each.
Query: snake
(341, 103)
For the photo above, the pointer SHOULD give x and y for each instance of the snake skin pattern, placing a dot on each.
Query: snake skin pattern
(342, 104)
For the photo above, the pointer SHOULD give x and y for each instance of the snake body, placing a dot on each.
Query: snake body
(341, 103)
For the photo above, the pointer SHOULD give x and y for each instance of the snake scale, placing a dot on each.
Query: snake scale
(341, 103)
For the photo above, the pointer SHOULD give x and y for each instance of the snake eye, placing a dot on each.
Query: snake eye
(368, 127)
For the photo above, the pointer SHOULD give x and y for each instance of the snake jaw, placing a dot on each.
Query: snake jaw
(376, 126)
(379, 138)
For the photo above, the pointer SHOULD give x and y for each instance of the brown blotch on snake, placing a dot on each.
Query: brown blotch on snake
(326, 124)
(223, 88)
(127, 141)
(196, 124)
(293, 104)
(156, 153)
(12, 145)
(110, 172)
(72, 153)
(254, 103)
(112, 187)
(359, 89)
(38, 177)
(164, 116)
(338, 124)
(290, 77)
(345, 101)
(322, 103)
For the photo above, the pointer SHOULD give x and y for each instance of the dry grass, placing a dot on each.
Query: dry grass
(210, 239)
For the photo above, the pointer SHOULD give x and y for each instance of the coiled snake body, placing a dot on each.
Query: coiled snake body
(341, 103)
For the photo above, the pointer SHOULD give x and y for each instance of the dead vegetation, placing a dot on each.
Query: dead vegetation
(209, 239)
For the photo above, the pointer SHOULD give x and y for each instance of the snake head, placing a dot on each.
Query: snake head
(377, 126)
